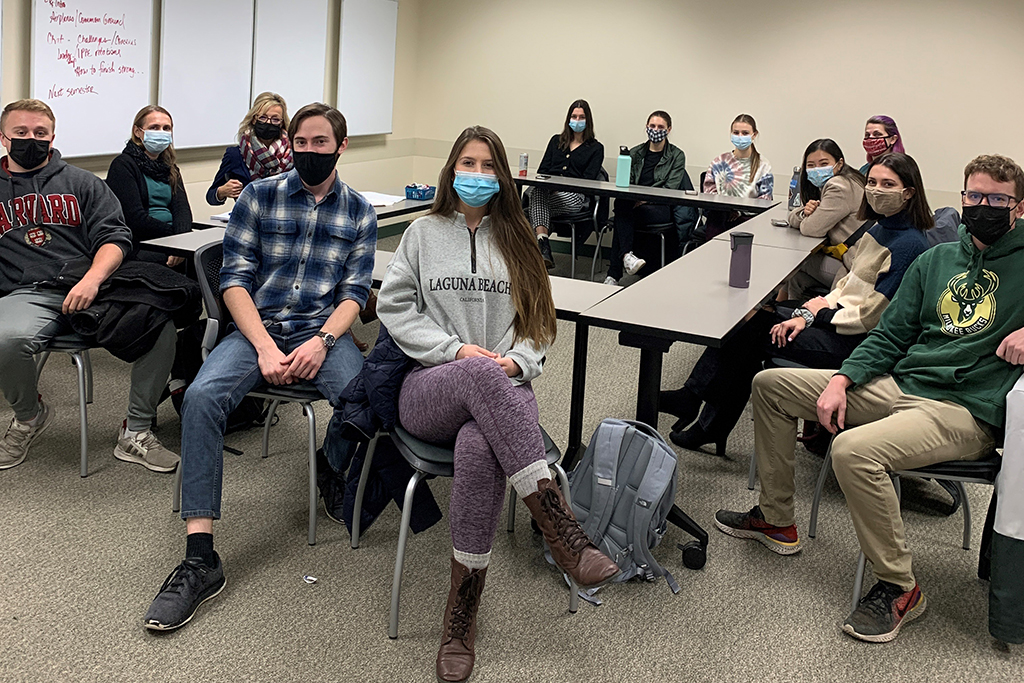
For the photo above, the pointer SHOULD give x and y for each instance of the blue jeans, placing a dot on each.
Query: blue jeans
(230, 372)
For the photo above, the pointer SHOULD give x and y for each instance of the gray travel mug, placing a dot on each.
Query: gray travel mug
(739, 265)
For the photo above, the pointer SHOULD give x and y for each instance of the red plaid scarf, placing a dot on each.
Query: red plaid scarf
(263, 161)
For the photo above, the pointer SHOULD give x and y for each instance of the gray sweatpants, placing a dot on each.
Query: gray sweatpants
(30, 317)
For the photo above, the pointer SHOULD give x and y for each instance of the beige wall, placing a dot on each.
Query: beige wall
(946, 70)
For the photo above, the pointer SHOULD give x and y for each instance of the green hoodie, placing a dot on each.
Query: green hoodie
(938, 337)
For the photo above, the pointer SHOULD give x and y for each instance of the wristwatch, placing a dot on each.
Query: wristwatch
(327, 338)
(805, 314)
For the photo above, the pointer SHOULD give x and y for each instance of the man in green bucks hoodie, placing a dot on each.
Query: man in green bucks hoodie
(926, 386)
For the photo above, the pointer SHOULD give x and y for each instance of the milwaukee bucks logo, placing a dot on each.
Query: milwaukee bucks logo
(967, 309)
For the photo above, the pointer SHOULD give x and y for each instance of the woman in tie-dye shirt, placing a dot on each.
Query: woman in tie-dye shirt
(740, 172)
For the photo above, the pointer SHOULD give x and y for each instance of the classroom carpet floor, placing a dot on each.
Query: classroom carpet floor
(82, 558)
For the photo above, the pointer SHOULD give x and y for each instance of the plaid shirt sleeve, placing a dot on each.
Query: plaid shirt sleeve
(355, 284)
(242, 243)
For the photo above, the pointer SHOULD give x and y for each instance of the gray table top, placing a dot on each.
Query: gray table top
(690, 300)
(768, 235)
(186, 243)
(658, 195)
(572, 297)
(402, 208)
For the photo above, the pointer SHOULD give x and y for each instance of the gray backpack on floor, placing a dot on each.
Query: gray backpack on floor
(622, 491)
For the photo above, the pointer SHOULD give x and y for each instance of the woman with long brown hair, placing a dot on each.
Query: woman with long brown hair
(467, 296)
(146, 180)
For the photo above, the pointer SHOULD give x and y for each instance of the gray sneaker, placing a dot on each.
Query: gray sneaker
(145, 449)
(19, 436)
(186, 588)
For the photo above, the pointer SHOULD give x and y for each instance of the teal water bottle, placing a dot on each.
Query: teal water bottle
(623, 168)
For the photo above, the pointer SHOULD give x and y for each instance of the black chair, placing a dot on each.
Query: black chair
(428, 461)
(983, 471)
(659, 229)
(208, 260)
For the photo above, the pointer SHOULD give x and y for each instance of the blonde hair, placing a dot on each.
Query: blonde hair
(531, 286)
(29, 104)
(168, 156)
(263, 102)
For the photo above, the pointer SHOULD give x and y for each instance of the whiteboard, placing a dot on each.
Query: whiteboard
(290, 57)
(366, 64)
(91, 62)
(206, 68)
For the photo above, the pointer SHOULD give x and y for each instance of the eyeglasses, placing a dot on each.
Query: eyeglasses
(876, 135)
(276, 120)
(998, 200)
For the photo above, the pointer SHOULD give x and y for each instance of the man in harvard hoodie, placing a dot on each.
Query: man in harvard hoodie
(926, 386)
(51, 214)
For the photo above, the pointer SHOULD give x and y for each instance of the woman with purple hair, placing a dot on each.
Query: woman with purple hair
(880, 137)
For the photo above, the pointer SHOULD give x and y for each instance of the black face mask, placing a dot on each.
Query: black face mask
(29, 152)
(987, 223)
(313, 167)
(267, 131)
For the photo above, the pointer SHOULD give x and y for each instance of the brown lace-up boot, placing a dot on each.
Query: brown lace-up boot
(570, 547)
(456, 655)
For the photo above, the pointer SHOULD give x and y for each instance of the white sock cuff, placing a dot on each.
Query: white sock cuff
(472, 561)
(525, 480)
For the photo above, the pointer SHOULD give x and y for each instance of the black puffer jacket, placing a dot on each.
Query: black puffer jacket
(132, 306)
(371, 398)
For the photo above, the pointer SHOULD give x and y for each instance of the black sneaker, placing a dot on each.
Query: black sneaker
(781, 540)
(332, 488)
(883, 611)
(545, 251)
(186, 588)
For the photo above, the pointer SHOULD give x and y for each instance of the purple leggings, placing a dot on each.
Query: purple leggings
(496, 430)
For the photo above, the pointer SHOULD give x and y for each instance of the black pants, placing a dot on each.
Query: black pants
(722, 377)
(629, 217)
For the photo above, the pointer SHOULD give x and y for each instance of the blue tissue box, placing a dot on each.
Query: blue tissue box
(420, 191)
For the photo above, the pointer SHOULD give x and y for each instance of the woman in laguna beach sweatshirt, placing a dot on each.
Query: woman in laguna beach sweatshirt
(467, 297)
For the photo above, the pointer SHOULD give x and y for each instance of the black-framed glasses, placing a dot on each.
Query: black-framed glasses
(996, 199)
(276, 120)
(883, 136)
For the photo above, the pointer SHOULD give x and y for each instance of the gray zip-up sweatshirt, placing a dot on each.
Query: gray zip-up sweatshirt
(448, 286)
(60, 214)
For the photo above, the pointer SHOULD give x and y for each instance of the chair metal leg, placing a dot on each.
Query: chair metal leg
(307, 408)
(858, 582)
(79, 363)
(597, 252)
(403, 536)
(563, 481)
(662, 250)
(826, 467)
(87, 360)
(357, 507)
(176, 495)
(572, 248)
(752, 477)
(967, 514)
(266, 426)
(512, 496)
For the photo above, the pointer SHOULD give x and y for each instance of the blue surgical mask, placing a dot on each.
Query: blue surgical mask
(578, 126)
(819, 176)
(476, 189)
(741, 142)
(156, 141)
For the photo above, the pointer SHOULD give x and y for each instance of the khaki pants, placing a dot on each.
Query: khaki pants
(894, 431)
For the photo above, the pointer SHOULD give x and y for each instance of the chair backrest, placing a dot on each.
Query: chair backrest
(602, 209)
(208, 260)
(703, 175)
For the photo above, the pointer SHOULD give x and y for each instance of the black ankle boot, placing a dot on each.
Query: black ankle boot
(682, 403)
(696, 436)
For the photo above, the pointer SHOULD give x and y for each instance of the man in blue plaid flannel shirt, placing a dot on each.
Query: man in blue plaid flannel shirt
(298, 263)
